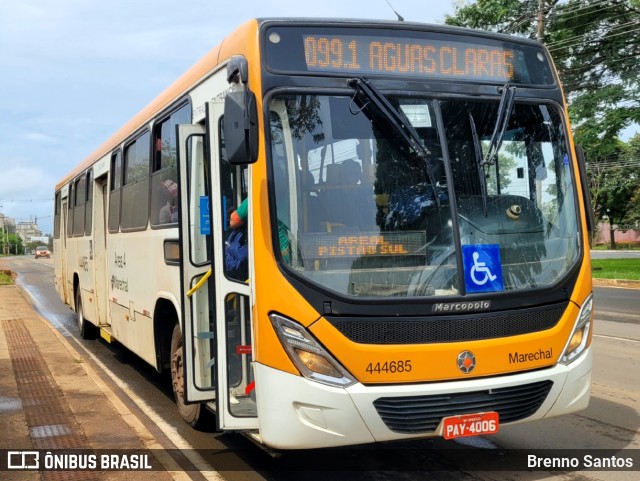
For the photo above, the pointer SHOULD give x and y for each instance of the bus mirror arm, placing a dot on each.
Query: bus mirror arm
(238, 70)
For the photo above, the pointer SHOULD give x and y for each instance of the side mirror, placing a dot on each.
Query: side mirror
(241, 127)
(586, 194)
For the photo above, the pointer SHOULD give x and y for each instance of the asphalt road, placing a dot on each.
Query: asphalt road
(618, 305)
(612, 420)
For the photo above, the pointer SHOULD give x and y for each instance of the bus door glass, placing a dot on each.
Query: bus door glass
(235, 402)
(198, 324)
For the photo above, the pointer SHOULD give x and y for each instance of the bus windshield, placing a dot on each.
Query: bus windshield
(361, 212)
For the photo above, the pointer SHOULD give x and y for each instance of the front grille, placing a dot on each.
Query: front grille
(422, 414)
(458, 328)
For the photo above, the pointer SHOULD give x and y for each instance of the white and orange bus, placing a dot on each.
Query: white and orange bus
(414, 257)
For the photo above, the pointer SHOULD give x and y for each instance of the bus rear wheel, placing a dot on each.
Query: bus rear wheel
(193, 414)
(85, 328)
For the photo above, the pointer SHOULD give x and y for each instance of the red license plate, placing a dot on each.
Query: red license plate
(470, 425)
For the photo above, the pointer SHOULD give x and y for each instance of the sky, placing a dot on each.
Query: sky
(74, 71)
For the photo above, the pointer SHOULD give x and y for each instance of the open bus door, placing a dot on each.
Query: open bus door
(216, 320)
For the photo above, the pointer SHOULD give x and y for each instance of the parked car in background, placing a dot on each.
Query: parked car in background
(42, 252)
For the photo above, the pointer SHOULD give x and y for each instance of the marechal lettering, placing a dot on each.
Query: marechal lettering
(541, 354)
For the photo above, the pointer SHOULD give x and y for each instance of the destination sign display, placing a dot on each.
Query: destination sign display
(416, 54)
(328, 245)
(375, 55)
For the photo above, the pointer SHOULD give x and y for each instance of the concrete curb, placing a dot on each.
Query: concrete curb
(627, 284)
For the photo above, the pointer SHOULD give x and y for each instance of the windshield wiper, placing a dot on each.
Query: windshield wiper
(504, 112)
(400, 123)
(482, 176)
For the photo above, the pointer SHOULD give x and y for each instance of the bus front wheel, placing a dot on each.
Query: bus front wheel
(192, 414)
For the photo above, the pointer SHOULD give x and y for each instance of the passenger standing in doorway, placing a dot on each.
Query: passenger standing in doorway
(241, 214)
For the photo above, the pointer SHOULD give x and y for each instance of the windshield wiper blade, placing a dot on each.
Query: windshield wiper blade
(482, 176)
(400, 123)
(504, 113)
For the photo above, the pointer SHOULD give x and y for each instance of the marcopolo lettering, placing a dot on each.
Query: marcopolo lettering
(461, 306)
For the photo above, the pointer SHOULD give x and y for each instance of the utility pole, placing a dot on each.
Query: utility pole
(540, 34)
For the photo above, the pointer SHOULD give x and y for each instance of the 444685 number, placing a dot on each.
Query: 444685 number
(389, 367)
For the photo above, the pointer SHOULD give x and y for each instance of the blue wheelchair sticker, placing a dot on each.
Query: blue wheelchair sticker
(482, 268)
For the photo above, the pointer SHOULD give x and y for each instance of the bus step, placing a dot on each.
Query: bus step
(255, 437)
(105, 333)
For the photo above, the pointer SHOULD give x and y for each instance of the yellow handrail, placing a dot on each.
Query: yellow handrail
(199, 284)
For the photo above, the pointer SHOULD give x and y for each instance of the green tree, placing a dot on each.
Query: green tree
(615, 186)
(10, 244)
(506, 16)
(618, 187)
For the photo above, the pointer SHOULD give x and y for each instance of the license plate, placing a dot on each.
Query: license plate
(470, 425)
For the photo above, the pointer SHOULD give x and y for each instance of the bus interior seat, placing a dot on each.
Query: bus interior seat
(346, 201)
(310, 203)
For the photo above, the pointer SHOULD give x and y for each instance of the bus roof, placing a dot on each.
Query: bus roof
(400, 25)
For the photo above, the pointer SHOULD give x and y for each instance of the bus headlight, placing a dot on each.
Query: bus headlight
(580, 337)
(311, 359)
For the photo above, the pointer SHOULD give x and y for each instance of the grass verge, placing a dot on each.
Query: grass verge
(5, 280)
(616, 269)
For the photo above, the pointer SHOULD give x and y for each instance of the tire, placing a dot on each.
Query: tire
(85, 328)
(195, 415)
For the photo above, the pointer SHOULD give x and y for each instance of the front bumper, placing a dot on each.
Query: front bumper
(301, 414)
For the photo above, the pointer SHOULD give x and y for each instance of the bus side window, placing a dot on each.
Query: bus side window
(78, 209)
(88, 213)
(114, 191)
(56, 216)
(70, 204)
(165, 191)
(135, 187)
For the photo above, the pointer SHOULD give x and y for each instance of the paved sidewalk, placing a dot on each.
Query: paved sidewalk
(50, 398)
